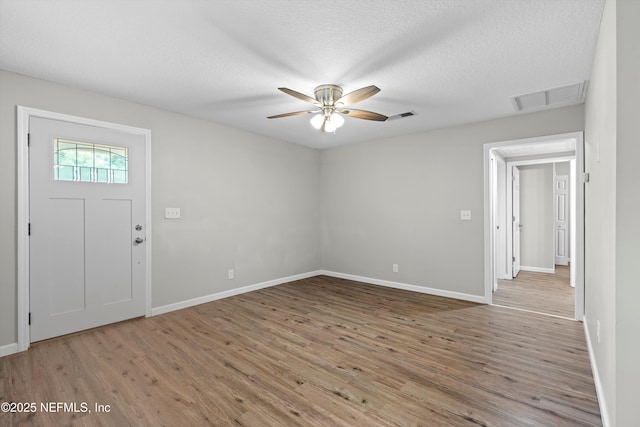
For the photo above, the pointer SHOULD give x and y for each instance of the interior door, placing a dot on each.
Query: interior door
(87, 229)
(517, 227)
(561, 193)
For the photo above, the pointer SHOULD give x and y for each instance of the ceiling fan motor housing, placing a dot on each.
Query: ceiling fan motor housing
(327, 95)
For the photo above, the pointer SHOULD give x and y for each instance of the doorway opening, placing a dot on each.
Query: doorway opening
(534, 224)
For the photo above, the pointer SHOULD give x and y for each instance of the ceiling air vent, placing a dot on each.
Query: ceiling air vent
(551, 98)
(402, 115)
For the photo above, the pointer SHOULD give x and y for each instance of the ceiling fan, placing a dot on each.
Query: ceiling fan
(331, 104)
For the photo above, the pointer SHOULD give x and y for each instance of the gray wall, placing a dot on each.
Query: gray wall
(600, 136)
(399, 200)
(248, 202)
(536, 216)
(563, 168)
(627, 209)
(612, 204)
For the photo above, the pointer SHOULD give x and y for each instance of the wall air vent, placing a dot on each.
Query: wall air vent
(551, 98)
(401, 116)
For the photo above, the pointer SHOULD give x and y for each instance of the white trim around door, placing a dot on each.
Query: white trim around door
(577, 237)
(515, 163)
(24, 115)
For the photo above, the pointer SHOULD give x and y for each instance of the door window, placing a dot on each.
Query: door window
(87, 162)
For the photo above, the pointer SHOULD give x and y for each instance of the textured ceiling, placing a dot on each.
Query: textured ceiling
(449, 61)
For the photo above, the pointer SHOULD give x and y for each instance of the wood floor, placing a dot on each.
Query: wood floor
(540, 292)
(316, 352)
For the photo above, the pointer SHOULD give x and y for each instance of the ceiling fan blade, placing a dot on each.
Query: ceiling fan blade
(363, 114)
(298, 95)
(295, 113)
(359, 95)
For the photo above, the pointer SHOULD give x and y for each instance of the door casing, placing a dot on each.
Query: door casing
(24, 114)
(510, 165)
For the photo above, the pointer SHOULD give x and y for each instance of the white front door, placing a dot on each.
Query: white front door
(87, 227)
(561, 194)
(517, 227)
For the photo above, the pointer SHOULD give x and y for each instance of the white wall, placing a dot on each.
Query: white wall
(398, 201)
(536, 217)
(248, 202)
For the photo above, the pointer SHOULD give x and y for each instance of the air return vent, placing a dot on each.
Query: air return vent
(551, 98)
(402, 115)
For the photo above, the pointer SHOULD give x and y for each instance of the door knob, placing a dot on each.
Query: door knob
(139, 240)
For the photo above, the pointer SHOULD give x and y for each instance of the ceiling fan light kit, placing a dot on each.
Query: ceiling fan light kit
(331, 104)
(330, 124)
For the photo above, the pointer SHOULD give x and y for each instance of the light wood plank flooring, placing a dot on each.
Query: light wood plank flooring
(315, 352)
(540, 292)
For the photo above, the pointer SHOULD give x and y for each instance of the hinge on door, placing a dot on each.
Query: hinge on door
(29, 229)
(28, 140)
(585, 177)
(29, 318)
(513, 259)
(513, 218)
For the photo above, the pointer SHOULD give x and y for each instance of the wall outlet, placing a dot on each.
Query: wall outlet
(598, 330)
(395, 268)
(231, 274)
(172, 213)
(465, 215)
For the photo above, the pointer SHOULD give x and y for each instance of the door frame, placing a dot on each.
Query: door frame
(577, 246)
(24, 115)
(516, 163)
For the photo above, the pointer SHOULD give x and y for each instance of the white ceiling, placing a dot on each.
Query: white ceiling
(449, 61)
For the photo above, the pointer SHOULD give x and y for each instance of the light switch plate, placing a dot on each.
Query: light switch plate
(465, 215)
(172, 213)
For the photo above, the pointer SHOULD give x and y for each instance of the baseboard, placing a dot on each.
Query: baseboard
(602, 402)
(538, 269)
(225, 294)
(407, 287)
(8, 349)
